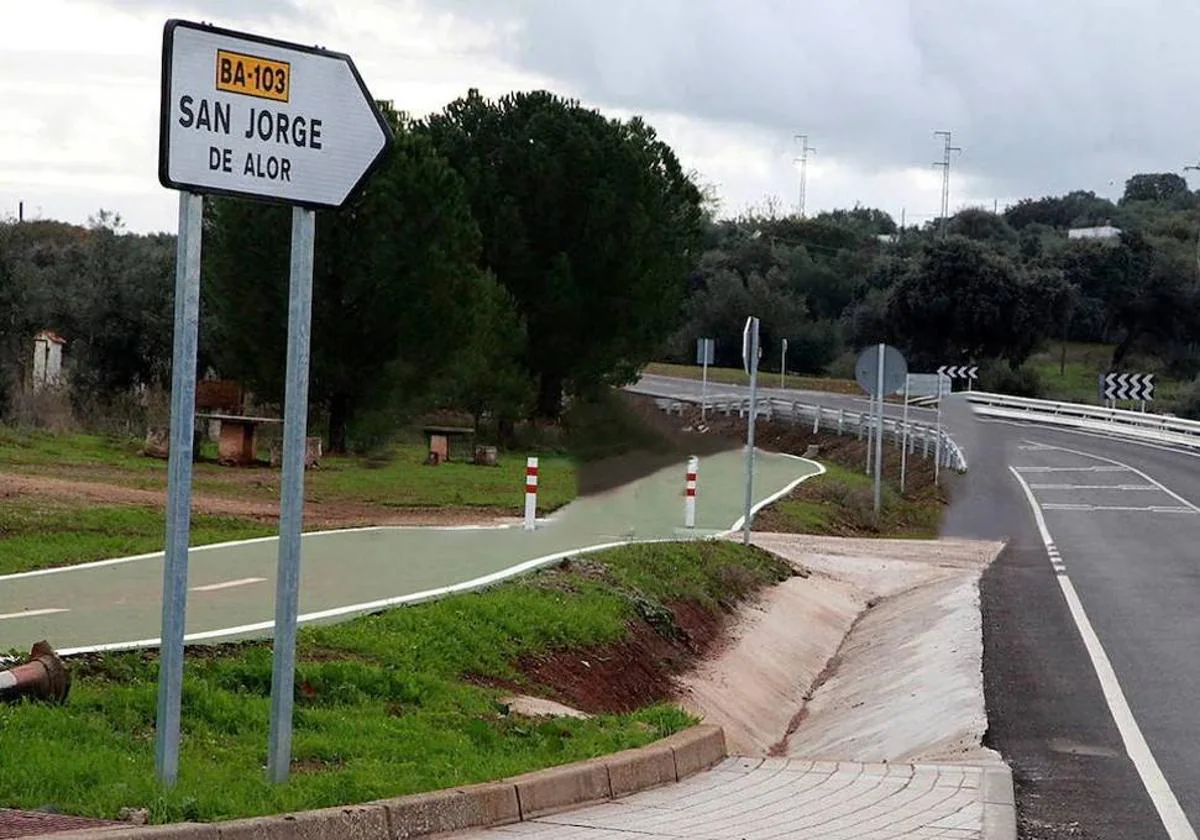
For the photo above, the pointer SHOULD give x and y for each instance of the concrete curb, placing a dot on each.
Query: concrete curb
(492, 803)
(999, 804)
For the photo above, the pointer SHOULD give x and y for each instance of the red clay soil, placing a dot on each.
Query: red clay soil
(630, 674)
(15, 824)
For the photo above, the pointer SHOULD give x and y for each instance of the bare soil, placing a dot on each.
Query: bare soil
(638, 671)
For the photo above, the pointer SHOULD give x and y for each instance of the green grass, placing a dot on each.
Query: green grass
(842, 503)
(42, 534)
(737, 376)
(383, 708)
(25, 449)
(1077, 381)
(406, 482)
(403, 481)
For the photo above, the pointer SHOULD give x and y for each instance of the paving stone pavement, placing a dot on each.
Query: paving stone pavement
(757, 798)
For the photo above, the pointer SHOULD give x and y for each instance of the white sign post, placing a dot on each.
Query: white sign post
(750, 353)
(705, 351)
(783, 365)
(258, 118)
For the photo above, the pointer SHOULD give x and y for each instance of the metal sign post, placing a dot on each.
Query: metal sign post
(904, 439)
(880, 370)
(259, 118)
(291, 505)
(704, 357)
(879, 433)
(783, 365)
(179, 486)
(750, 365)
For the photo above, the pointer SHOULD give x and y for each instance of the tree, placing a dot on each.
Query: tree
(590, 223)
(963, 303)
(981, 225)
(393, 288)
(1154, 186)
(1079, 208)
(486, 377)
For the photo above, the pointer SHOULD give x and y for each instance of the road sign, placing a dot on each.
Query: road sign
(747, 339)
(960, 371)
(895, 369)
(1133, 387)
(928, 385)
(255, 117)
(706, 349)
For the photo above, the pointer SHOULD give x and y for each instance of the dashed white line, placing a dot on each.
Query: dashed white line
(229, 584)
(33, 613)
(1169, 811)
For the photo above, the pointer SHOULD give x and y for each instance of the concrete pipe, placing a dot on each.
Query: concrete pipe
(43, 677)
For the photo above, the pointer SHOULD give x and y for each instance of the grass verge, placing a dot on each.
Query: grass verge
(842, 503)
(402, 481)
(46, 533)
(387, 704)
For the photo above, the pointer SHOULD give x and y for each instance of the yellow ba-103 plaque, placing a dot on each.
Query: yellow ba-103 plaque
(253, 76)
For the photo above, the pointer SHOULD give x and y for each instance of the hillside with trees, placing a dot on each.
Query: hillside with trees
(515, 254)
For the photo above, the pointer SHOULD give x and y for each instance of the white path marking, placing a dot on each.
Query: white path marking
(229, 584)
(1169, 811)
(32, 613)
(432, 594)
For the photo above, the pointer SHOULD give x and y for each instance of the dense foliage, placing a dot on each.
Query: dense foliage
(513, 252)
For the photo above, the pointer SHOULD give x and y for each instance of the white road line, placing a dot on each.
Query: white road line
(1094, 487)
(32, 613)
(1120, 466)
(229, 584)
(1032, 469)
(1172, 816)
(1119, 508)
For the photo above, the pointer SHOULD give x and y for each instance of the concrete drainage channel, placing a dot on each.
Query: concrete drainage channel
(850, 698)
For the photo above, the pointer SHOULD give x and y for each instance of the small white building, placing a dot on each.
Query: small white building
(1105, 231)
(47, 360)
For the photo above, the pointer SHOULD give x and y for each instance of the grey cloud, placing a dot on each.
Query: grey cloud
(1044, 95)
(218, 12)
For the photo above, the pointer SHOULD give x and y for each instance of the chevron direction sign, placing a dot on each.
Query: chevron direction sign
(960, 371)
(1128, 387)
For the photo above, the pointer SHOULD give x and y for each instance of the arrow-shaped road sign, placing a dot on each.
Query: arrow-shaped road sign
(255, 117)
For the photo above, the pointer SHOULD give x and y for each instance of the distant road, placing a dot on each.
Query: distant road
(672, 387)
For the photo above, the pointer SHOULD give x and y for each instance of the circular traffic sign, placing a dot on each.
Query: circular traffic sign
(895, 370)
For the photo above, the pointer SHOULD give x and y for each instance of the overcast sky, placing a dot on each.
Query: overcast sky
(1043, 96)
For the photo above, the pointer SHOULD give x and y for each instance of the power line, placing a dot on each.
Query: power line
(803, 161)
(944, 163)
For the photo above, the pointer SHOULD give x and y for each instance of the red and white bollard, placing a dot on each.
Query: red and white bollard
(689, 502)
(531, 485)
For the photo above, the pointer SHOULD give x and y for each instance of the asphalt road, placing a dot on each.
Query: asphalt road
(1123, 520)
(232, 586)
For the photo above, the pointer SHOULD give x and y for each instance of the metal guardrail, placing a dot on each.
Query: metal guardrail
(1160, 428)
(929, 440)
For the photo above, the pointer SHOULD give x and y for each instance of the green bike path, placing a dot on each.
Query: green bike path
(117, 604)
